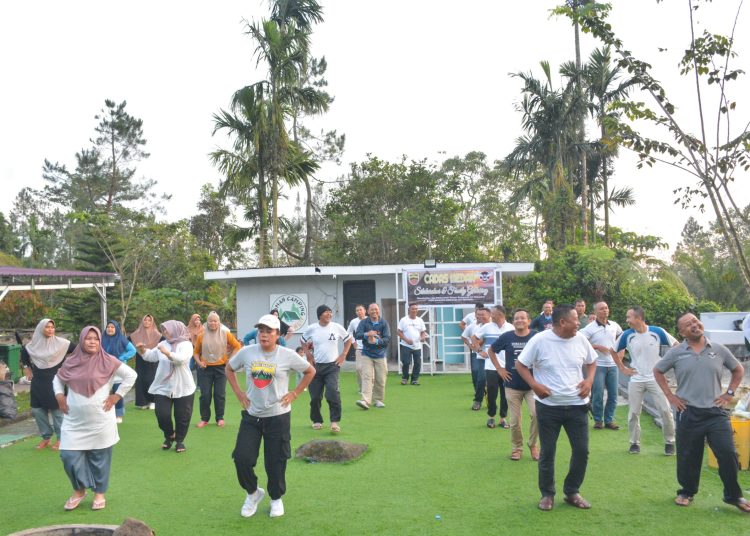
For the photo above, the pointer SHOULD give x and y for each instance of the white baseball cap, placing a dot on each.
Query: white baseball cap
(270, 321)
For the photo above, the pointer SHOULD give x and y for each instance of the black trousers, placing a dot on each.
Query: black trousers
(409, 355)
(326, 377)
(146, 371)
(183, 412)
(575, 420)
(494, 385)
(213, 384)
(277, 449)
(694, 427)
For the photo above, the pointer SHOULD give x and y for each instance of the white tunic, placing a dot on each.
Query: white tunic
(173, 377)
(86, 426)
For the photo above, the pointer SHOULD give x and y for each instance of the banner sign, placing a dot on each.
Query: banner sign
(292, 309)
(449, 287)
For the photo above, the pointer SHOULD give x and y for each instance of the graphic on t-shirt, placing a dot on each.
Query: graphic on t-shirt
(263, 373)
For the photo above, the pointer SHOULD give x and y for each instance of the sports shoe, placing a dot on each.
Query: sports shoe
(201, 424)
(379, 404)
(476, 406)
(415, 382)
(277, 508)
(151, 406)
(491, 422)
(404, 382)
(669, 449)
(363, 404)
(118, 420)
(634, 448)
(250, 506)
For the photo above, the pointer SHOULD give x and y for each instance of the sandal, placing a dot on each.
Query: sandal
(317, 426)
(335, 428)
(167, 443)
(577, 501)
(504, 424)
(56, 446)
(99, 505)
(180, 447)
(684, 500)
(742, 504)
(73, 502)
(515, 455)
(534, 453)
(42, 444)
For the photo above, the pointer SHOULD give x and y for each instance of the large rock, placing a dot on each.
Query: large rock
(330, 451)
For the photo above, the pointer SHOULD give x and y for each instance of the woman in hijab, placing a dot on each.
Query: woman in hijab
(41, 359)
(196, 329)
(148, 336)
(116, 344)
(89, 429)
(173, 385)
(211, 353)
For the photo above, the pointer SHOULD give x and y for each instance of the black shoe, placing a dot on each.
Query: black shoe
(476, 406)
(415, 382)
(634, 448)
(180, 447)
(669, 449)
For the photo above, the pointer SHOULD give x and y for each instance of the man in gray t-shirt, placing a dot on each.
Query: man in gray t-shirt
(698, 365)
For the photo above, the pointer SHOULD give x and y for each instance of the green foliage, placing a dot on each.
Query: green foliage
(21, 309)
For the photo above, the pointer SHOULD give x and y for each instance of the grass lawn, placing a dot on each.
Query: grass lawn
(432, 468)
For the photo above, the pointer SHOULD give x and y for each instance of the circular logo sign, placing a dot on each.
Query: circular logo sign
(414, 278)
(292, 309)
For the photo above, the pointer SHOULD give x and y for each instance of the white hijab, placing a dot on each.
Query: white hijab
(46, 352)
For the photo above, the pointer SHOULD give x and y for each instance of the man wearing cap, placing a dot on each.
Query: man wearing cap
(321, 343)
(375, 334)
(266, 413)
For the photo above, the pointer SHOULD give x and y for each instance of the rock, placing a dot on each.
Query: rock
(133, 527)
(330, 451)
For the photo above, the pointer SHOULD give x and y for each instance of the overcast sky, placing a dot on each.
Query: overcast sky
(427, 79)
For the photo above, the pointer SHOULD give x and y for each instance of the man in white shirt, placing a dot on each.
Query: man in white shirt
(361, 313)
(644, 344)
(559, 357)
(602, 333)
(480, 384)
(412, 332)
(321, 343)
(484, 337)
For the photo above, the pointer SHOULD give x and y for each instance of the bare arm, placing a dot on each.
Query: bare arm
(617, 358)
(542, 391)
(239, 393)
(737, 374)
(661, 381)
(501, 371)
(584, 388)
(291, 396)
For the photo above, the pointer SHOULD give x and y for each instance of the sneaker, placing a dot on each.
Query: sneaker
(201, 424)
(415, 382)
(634, 448)
(277, 508)
(363, 404)
(220, 423)
(598, 425)
(476, 406)
(491, 422)
(404, 382)
(250, 506)
(379, 404)
(118, 420)
(151, 406)
(669, 449)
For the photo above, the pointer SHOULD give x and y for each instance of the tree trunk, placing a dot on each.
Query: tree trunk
(581, 140)
(605, 187)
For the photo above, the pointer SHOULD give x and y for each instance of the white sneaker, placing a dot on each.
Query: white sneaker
(250, 506)
(152, 406)
(379, 404)
(118, 420)
(363, 404)
(277, 508)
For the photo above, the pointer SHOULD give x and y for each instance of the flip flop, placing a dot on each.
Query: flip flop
(42, 444)
(742, 504)
(56, 446)
(180, 447)
(73, 502)
(317, 426)
(335, 428)
(99, 505)
(684, 500)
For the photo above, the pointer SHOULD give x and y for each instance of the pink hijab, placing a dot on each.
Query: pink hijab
(175, 332)
(85, 373)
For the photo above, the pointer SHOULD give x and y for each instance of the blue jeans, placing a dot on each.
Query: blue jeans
(606, 377)
(478, 377)
(575, 420)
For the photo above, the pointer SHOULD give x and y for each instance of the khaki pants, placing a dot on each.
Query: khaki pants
(359, 363)
(515, 400)
(636, 391)
(374, 372)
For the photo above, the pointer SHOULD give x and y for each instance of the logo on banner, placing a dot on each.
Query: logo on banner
(414, 278)
(292, 309)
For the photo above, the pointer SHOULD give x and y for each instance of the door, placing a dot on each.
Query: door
(356, 292)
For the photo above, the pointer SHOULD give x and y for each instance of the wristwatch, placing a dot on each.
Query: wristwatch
(730, 392)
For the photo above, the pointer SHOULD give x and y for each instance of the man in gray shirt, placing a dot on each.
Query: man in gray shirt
(701, 405)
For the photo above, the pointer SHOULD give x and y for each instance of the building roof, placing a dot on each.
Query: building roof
(507, 268)
(11, 273)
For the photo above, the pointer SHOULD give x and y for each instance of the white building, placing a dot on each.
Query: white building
(298, 291)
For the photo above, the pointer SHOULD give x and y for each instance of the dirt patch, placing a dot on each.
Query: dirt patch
(330, 451)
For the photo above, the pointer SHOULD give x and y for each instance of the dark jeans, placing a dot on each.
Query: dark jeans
(575, 421)
(606, 377)
(478, 377)
(326, 376)
(493, 386)
(120, 405)
(407, 356)
(183, 412)
(213, 384)
(277, 450)
(694, 426)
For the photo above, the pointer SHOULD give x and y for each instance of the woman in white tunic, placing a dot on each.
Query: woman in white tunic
(89, 429)
(173, 386)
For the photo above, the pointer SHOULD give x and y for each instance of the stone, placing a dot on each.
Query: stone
(133, 527)
(330, 451)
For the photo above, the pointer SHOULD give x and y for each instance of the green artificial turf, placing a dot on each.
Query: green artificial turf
(432, 468)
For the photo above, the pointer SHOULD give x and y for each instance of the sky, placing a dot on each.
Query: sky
(422, 78)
